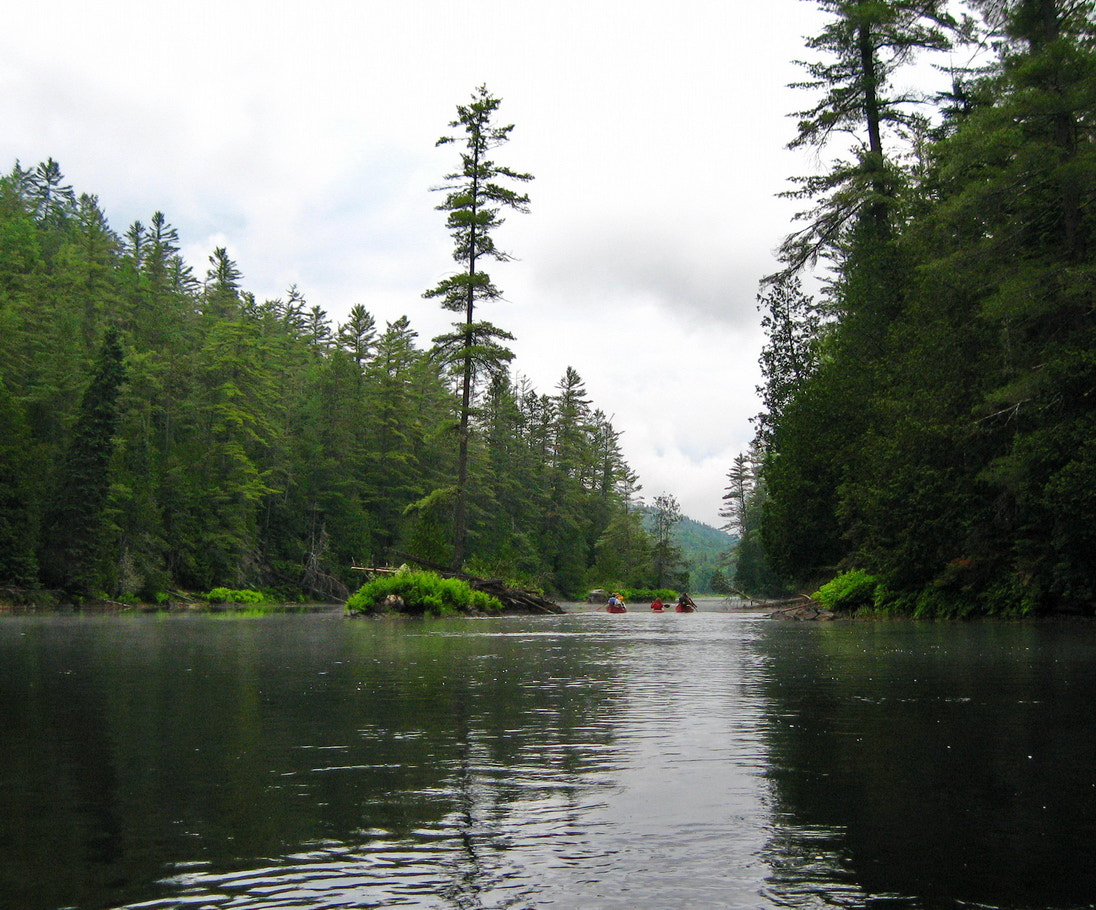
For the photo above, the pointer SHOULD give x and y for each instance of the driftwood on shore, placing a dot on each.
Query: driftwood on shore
(799, 609)
(514, 600)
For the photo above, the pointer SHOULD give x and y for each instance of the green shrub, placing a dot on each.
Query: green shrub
(230, 596)
(421, 592)
(941, 601)
(1010, 596)
(848, 592)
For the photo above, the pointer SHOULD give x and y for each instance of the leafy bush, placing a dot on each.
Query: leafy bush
(419, 593)
(230, 596)
(848, 592)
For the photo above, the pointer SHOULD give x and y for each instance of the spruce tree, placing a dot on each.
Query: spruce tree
(358, 335)
(74, 534)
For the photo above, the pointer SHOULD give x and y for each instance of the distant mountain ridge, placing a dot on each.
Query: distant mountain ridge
(706, 549)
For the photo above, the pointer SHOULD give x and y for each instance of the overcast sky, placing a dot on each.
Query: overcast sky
(300, 135)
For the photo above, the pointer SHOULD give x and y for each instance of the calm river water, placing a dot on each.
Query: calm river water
(585, 761)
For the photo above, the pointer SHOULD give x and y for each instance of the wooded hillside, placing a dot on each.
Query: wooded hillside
(930, 416)
(162, 428)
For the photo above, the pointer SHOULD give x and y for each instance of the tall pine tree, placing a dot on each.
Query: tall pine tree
(476, 193)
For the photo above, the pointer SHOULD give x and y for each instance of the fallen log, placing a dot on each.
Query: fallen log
(801, 609)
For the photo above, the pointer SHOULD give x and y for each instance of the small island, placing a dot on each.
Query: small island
(408, 592)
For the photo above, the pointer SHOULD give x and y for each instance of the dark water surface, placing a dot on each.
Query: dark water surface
(702, 761)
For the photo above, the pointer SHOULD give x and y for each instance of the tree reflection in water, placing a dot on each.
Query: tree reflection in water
(933, 766)
(310, 763)
(643, 761)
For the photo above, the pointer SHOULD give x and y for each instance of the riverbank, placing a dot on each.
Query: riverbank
(705, 604)
(106, 607)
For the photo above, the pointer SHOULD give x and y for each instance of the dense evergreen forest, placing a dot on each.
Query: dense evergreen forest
(164, 430)
(929, 418)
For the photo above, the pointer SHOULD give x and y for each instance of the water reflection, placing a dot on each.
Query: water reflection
(590, 761)
(933, 765)
(312, 754)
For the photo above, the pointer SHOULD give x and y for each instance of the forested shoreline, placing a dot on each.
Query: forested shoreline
(930, 413)
(163, 430)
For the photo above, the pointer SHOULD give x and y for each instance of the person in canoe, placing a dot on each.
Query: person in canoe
(685, 603)
(616, 604)
(658, 606)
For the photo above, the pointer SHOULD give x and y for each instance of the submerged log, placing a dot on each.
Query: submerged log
(514, 600)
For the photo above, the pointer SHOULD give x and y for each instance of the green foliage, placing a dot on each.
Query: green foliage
(667, 556)
(73, 545)
(848, 592)
(718, 583)
(744, 504)
(18, 565)
(421, 592)
(253, 444)
(704, 550)
(623, 552)
(231, 596)
(803, 473)
(505, 571)
(752, 573)
(793, 326)
(942, 438)
(862, 45)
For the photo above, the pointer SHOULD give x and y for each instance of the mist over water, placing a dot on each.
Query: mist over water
(712, 760)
